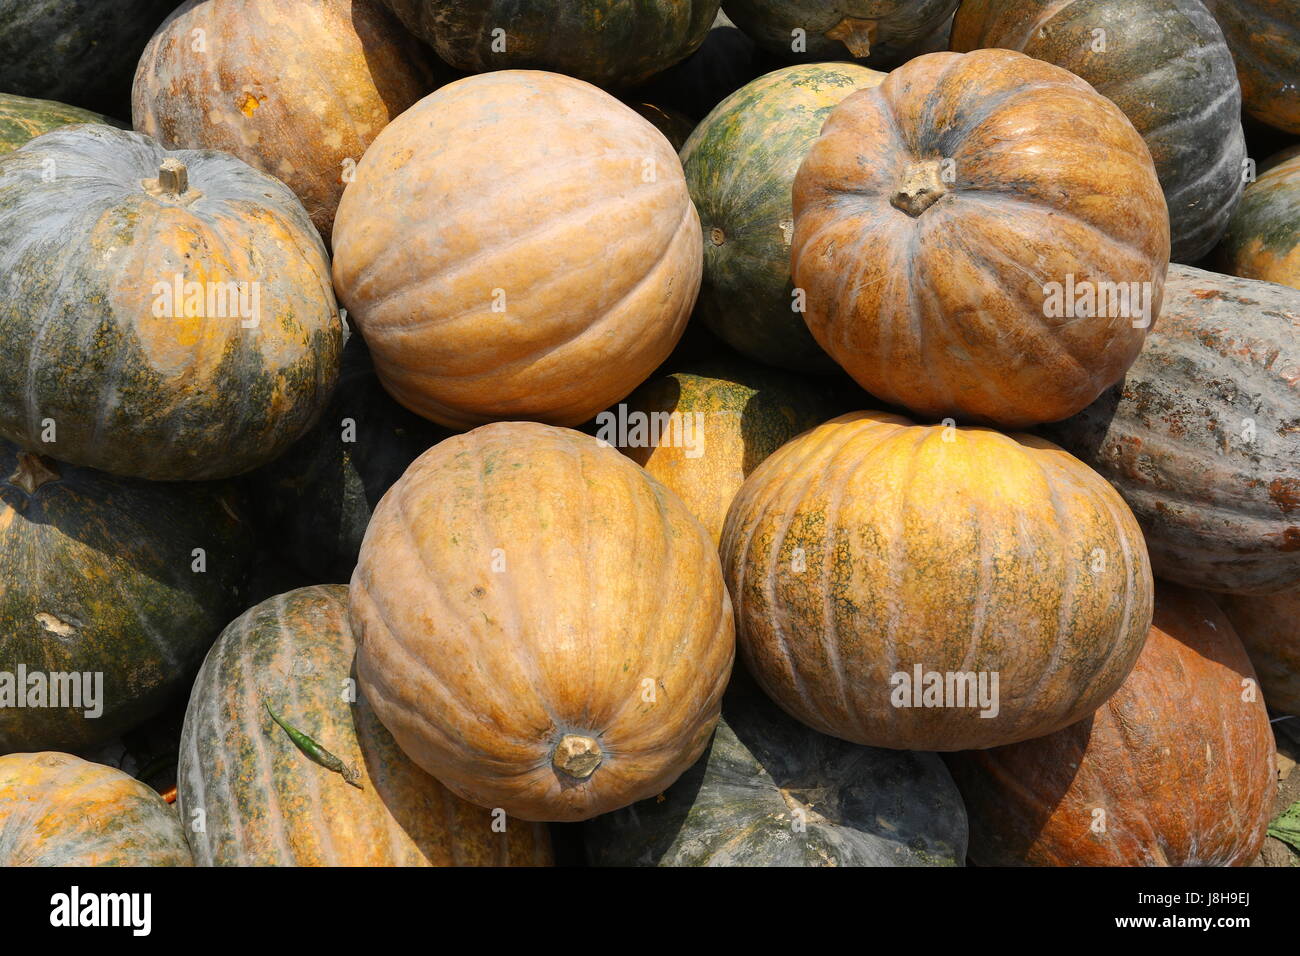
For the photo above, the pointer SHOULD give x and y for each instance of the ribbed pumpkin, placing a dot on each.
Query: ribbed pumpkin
(517, 245)
(313, 502)
(1265, 39)
(870, 553)
(883, 33)
(60, 810)
(296, 89)
(168, 315)
(936, 212)
(740, 164)
(23, 119)
(729, 417)
(104, 575)
(1176, 769)
(1166, 65)
(608, 42)
(264, 802)
(771, 792)
(1203, 437)
(1263, 241)
(542, 626)
(1270, 629)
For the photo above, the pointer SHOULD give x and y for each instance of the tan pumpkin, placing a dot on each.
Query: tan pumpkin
(949, 222)
(870, 553)
(296, 88)
(517, 245)
(1269, 626)
(542, 626)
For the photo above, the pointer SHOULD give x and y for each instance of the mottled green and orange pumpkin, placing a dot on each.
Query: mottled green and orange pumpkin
(23, 119)
(1265, 39)
(870, 555)
(1166, 65)
(1263, 240)
(540, 624)
(60, 810)
(169, 314)
(1175, 769)
(263, 801)
(740, 164)
(1269, 626)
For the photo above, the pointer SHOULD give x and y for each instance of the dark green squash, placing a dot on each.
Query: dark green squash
(740, 164)
(23, 119)
(607, 42)
(1263, 240)
(1202, 439)
(102, 575)
(771, 792)
(313, 503)
(1265, 40)
(1166, 65)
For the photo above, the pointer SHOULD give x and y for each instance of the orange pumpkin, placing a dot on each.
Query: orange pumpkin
(541, 625)
(517, 245)
(951, 223)
(1269, 626)
(871, 557)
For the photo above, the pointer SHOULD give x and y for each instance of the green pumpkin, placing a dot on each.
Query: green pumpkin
(771, 792)
(1263, 240)
(102, 575)
(607, 42)
(740, 165)
(23, 119)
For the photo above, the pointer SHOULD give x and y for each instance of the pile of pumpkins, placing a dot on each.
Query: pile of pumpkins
(434, 398)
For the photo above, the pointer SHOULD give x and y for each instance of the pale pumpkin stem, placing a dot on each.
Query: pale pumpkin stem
(172, 184)
(577, 756)
(857, 35)
(33, 471)
(921, 187)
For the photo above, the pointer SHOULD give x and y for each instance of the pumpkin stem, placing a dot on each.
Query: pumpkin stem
(857, 35)
(33, 471)
(172, 184)
(577, 756)
(921, 188)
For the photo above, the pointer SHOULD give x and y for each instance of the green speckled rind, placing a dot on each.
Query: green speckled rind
(23, 119)
(858, 806)
(96, 575)
(59, 810)
(740, 165)
(1263, 241)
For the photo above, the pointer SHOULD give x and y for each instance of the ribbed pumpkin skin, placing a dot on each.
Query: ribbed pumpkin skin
(748, 412)
(1265, 39)
(1203, 437)
(1181, 766)
(256, 88)
(881, 32)
(548, 300)
(131, 391)
(522, 584)
(99, 577)
(740, 164)
(771, 792)
(870, 545)
(945, 313)
(1166, 65)
(23, 119)
(1263, 241)
(60, 810)
(265, 803)
(1269, 628)
(607, 42)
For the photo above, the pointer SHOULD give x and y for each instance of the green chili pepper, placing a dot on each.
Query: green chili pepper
(315, 751)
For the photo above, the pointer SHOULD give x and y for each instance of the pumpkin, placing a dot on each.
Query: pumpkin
(169, 314)
(883, 33)
(771, 792)
(1166, 65)
(80, 51)
(1203, 437)
(286, 663)
(875, 563)
(1176, 769)
(949, 222)
(106, 576)
(60, 810)
(675, 125)
(1263, 241)
(22, 119)
(1269, 629)
(740, 164)
(315, 500)
(702, 430)
(549, 297)
(1265, 39)
(255, 87)
(541, 625)
(607, 42)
